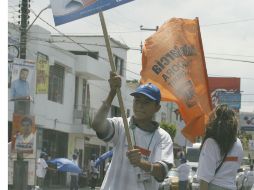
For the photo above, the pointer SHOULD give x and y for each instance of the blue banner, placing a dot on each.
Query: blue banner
(232, 99)
(69, 10)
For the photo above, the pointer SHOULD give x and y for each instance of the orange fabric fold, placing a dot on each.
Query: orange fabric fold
(173, 60)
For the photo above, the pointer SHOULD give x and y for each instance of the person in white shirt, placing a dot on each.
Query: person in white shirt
(74, 176)
(41, 169)
(221, 151)
(183, 173)
(148, 163)
(94, 172)
(249, 180)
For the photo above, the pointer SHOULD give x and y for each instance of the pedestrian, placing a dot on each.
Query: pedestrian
(94, 172)
(41, 169)
(221, 151)
(20, 87)
(152, 157)
(249, 179)
(183, 173)
(74, 176)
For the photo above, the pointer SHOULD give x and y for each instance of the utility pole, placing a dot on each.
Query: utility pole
(20, 177)
(148, 29)
(23, 27)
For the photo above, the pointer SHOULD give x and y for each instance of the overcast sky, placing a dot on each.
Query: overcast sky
(227, 29)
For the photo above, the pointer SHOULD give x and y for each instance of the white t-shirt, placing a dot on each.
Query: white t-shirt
(24, 144)
(210, 159)
(250, 178)
(183, 172)
(41, 168)
(121, 174)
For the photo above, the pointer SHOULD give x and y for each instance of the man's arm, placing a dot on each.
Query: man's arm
(99, 122)
(156, 169)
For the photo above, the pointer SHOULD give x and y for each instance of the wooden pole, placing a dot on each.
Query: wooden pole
(110, 55)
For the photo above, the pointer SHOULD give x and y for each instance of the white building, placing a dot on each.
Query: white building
(78, 74)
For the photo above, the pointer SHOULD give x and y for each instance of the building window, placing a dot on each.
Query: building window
(94, 55)
(56, 83)
(115, 111)
(119, 63)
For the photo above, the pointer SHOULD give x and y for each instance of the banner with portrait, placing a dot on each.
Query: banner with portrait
(23, 134)
(22, 83)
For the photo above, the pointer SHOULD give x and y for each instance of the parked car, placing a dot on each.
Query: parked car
(239, 179)
(195, 183)
(172, 180)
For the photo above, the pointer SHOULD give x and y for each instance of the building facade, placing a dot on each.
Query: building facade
(78, 70)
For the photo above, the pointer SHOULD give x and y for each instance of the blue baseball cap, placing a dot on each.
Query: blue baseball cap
(149, 90)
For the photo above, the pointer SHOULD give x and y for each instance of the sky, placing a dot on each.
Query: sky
(227, 29)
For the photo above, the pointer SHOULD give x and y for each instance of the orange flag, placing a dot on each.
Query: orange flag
(173, 60)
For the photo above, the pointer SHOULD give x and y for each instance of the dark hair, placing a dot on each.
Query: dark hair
(26, 120)
(222, 127)
(74, 156)
(43, 154)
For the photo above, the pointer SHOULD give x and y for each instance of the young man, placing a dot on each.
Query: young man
(41, 169)
(148, 163)
(183, 172)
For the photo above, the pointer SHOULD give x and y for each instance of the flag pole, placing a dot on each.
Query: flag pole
(203, 59)
(118, 91)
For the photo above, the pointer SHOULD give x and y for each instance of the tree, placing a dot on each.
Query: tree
(170, 128)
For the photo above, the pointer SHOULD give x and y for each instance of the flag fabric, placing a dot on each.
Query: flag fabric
(173, 60)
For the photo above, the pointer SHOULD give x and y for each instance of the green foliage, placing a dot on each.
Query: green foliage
(170, 128)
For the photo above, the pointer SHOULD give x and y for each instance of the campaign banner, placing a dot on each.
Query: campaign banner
(42, 74)
(23, 134)
(69, 10)
(232, 99)
(22, 79)
(225, 90)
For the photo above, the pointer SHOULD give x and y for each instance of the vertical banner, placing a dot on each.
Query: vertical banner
(42, 73)
(173, 60)
(23, 134)
(22, 79)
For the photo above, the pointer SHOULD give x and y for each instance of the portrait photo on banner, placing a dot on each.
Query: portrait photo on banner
(23, 134)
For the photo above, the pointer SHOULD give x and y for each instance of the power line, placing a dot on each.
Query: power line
(229, 22)
(227, 59)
